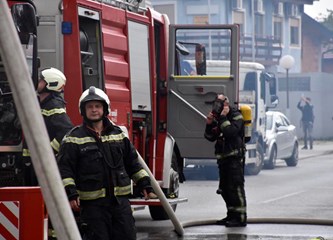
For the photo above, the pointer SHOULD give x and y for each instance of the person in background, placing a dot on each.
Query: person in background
(97, 162)
(186, 69)
(225, 127)
(50, 88)
(305, 106)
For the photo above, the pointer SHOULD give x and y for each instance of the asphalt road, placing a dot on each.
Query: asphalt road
(277, 199)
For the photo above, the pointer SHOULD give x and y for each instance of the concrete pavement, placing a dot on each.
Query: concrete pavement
(269, 230)
(319, 148)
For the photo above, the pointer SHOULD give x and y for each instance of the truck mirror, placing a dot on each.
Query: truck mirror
(25, 20)
(274, 100)
(182, 49)
(271, 79)
(200, 59)
(272, 86)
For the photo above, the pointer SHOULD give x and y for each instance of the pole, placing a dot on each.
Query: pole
(210, 37)
(253, 32)
(34, 128)
(178, 226)
(287, 88)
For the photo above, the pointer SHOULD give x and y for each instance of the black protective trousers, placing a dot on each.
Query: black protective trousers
(231, 171)
(114, 222)
(307, 130)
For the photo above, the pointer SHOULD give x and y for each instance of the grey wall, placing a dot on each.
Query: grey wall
(320, 89)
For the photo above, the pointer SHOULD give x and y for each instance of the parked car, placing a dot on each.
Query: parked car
(281, 140)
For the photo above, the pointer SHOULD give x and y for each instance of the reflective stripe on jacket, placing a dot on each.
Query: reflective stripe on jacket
(228, 132)
(56, 120)
(94, 167)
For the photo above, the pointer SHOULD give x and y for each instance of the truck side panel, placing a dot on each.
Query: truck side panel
(116, 63)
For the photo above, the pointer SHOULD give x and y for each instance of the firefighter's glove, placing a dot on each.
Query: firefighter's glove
(71, 192)
(145, 187)
(143, 183)
(217, 107)
(149, 194)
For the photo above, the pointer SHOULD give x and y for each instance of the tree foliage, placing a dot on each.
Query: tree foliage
(328, 20)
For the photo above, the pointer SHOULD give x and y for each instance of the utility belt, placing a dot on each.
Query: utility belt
(101, 193)
(239, 153)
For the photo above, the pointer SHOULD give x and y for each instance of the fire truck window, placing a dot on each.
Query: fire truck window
(84, 47)
(91, 57)
(197, 52)
(24, 20)
(84, 42)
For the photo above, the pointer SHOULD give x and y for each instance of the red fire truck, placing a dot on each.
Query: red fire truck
(141, 61)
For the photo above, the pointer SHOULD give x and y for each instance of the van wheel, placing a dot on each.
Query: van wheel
(255, 168)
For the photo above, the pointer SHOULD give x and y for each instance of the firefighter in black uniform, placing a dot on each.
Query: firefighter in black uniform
(50, 87)
(97, 162)
(225, 125)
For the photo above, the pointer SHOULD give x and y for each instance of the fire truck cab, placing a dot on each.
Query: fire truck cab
(137, 57)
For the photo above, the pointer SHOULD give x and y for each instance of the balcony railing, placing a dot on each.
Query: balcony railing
(266, 50)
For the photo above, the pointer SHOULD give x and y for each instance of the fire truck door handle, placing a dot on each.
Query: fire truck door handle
(142, 106)
(200, 89)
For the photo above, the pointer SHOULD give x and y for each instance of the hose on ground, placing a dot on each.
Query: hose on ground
(299, 221)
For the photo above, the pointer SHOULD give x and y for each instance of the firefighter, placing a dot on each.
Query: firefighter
(225, 126)
(50, 88)
(97, 162)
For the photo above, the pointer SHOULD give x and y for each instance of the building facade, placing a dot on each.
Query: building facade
(271, 29)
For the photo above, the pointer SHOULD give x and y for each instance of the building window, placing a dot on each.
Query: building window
(278, 8)
(237, 4)
(294, 32)
(239, 18)
(278, 28)
(294, 10)
(258, 6)
(259, 25)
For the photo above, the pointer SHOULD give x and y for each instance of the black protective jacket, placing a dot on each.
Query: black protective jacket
(56, 120)
(307, 112)
(99, 167)
(228, 132)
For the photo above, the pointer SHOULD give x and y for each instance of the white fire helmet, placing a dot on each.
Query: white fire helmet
(54, 78)
(94, 94)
